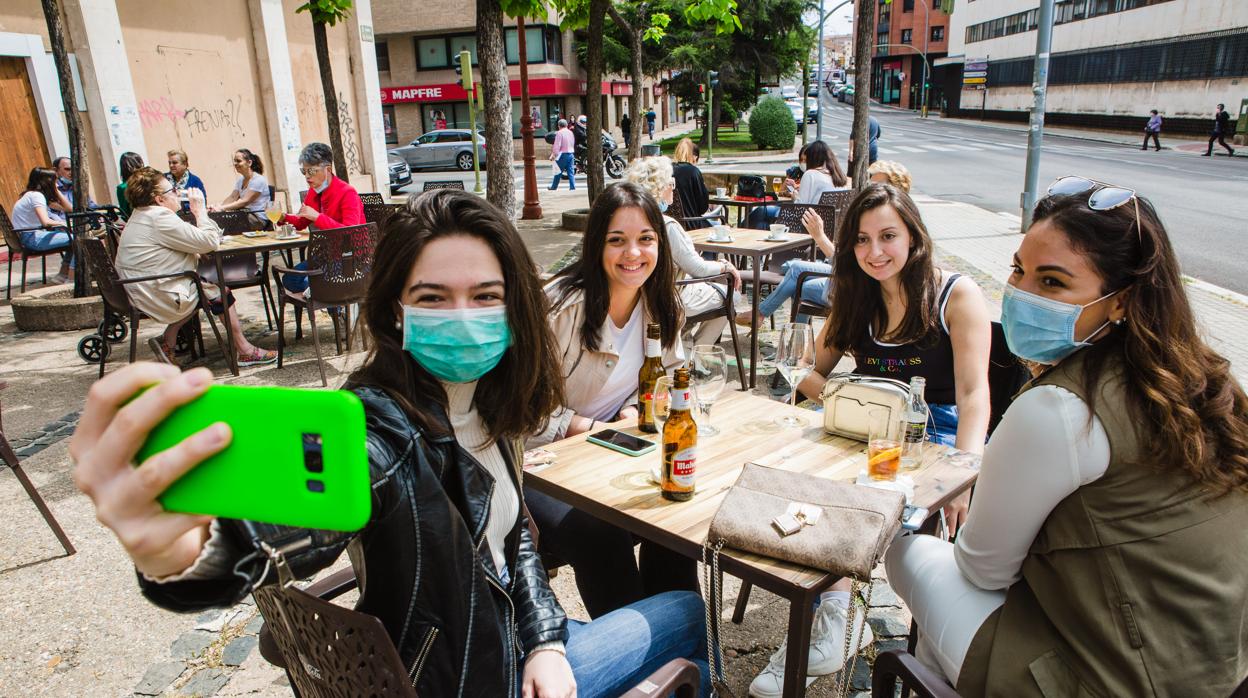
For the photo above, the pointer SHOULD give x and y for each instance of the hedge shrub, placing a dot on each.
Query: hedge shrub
(771, 125)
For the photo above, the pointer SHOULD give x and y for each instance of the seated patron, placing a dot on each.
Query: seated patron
(690, 187)
(600, 306)
(127, 165)
(251, 189)
(41, 230)
(157, 241)
(1104, 552)
(182, 178)
(329, 203)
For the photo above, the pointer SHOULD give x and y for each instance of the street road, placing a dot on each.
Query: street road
(1202, 201)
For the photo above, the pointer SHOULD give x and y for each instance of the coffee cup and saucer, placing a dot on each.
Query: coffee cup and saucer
(720, 233)
(721, 192)
(778, 232)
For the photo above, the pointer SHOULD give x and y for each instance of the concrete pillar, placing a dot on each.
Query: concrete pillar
(277, 88)
(95, 34)
(367, 89)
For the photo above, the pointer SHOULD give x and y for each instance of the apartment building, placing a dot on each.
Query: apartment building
(1111, 60)
(909, 36)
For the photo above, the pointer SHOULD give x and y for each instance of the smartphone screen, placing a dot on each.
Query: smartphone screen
(624, 441)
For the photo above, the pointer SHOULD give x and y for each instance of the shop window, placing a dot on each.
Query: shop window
(383, 56)
(534, 46)
(431, 53)
(554, 45)
(387, 122)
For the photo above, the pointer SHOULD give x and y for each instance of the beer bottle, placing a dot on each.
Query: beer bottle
(680, 442)
(651, 371)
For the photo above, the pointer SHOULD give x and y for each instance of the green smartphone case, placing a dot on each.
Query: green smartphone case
(621, 449)
(297, 458)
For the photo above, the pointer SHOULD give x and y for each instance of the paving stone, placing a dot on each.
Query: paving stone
(236, 652)
(191, 644)
(883, 595)
(208, 616)
(158, 677)
(205, 683)
(889, 624)
(253, 626)
(30, 450)
(862, 676)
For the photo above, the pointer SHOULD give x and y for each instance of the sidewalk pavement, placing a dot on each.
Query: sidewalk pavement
(78, 626)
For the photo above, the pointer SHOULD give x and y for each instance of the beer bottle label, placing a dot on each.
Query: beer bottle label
(683, 464)
(653, 348)
(915, 431)
(681, 397)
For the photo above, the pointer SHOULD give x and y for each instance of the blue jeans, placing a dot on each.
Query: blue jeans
(814, 290)
(942, 424)
(761, 216)
(565, 162)
(617, 651)
(46, 240)
(296, 283)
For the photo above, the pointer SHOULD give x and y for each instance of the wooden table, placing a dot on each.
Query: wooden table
(745, 206)
(245, 243)
(617, 489)
(747, 242)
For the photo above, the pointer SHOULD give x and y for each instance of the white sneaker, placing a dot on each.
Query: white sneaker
(827, 650)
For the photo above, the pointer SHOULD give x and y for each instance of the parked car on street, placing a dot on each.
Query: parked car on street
(813, 91)
(799, 115)
(836, 88)
(443, 148)
(788, 92)
(400, 173)
(812, 114)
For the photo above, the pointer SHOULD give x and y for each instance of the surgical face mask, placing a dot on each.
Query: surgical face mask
(456, 346)
(663, 205)
(1041, 329)
(65, 181)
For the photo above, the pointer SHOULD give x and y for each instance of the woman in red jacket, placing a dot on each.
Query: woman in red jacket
(329, 203)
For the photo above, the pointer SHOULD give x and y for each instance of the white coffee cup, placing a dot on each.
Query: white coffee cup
(721, 192)
(720, 233)
(778, 230)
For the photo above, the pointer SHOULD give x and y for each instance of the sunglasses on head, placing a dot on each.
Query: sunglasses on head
(1103, 197)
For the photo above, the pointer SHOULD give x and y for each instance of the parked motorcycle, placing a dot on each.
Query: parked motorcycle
(612, 163)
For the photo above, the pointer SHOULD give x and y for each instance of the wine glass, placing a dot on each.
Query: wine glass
(662, 403)
(709, 376)
(274, 213)
(795, 359)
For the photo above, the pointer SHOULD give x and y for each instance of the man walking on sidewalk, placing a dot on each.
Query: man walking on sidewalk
(1152, 129)
(650, 117)
(562, 155)
(1221, 124)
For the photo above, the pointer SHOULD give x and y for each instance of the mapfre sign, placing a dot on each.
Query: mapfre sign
(427, 93)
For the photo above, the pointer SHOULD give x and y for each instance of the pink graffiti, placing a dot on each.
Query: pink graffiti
(153, 111)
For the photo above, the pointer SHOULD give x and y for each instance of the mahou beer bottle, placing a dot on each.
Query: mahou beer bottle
(651, 371)
(680, 442)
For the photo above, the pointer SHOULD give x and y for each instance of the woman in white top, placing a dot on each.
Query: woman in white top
(600, 306)
(822, 174)
(38, 230)
(251, 189)
(157, 241)
(654, 174)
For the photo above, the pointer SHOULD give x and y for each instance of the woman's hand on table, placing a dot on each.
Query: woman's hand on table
(629, 413)
(110, 432)
(547, 674)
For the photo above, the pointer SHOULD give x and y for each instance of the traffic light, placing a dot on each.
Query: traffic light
(713, 75)
(701, 89)
(464, 70)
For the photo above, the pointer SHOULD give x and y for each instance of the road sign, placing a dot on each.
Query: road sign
(974, 81)
(975, 64)
(975, 74)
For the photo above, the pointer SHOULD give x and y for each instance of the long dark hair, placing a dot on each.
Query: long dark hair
(42, 180)
(856, 300)
(587, 275)
(253, 160)
(516, 398)
(128, 164)
(820, 157)
(1193, 413)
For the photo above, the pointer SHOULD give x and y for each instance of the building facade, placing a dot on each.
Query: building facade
(417, 53)
(1111, 60)
(204, 78)
(909, 36)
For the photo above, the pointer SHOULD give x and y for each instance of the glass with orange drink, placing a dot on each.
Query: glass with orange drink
(883, 445)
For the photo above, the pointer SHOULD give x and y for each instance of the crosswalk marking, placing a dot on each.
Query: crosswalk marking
(938, 148)
(910, 149)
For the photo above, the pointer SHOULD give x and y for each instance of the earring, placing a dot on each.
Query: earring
(1119, 321)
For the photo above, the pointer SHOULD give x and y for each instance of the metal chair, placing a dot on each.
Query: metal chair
(727, 310)
(13, 238)
(801, 306)
(378, 213)
(117, 302)
(677, 211)
(892, 665)
(443, 184)
(372, 197)
(339, 263)
(791, 216)
(236, 222)
(10, 459)
(838, 199)
(331, 651)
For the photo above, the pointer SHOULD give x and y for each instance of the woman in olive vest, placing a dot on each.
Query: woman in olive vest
(1104, 552)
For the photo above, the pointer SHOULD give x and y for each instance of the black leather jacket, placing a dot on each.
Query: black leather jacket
(422, 562)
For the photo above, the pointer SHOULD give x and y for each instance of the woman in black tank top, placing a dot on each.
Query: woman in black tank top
(899, 316)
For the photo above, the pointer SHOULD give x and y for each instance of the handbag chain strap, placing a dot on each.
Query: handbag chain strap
(847, 672)
(713, 579)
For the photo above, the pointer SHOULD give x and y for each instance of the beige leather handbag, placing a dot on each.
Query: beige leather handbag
(849, 397)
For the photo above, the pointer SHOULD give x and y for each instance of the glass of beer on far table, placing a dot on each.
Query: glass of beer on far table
(883, 445)
(777, 185)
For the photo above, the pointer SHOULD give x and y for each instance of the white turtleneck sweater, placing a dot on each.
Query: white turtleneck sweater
(471, 434)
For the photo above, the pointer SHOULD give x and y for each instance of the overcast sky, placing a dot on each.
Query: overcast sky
(840, 22)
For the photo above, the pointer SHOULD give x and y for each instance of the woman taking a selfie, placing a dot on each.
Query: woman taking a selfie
(898, 316)
(463, 366)
(601, 305)
(1104, 550)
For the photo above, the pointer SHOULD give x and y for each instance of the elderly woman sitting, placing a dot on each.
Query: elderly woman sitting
(329, 203)
(654, 175)
(156, 242)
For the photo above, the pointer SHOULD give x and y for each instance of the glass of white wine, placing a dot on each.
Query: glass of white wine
(709, 376)
(795, 359)
(275, 214)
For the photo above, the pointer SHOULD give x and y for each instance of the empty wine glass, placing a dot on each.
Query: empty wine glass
(662, 402)
(709, 376)
(795, 359)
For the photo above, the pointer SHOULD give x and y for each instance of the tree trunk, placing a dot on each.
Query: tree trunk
(634, 104)
(69, 101)
(331, 99)
(862, 92)
(593, 98)
(500, 188)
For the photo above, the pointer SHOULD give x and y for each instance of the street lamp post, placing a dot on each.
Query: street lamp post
(1035, 132)
(823, 16)
(532, 209)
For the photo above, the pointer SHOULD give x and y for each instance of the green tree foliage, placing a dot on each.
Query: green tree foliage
(771, 125)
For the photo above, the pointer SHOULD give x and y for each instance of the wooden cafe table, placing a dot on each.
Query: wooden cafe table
(617, 488)
(257, 242)
(747, 242)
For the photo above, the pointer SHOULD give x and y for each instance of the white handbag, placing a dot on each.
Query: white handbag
(849, 397)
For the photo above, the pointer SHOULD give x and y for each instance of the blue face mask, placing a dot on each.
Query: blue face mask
(456, 346)
(65, 181)
(663, 206)
(1041, 329)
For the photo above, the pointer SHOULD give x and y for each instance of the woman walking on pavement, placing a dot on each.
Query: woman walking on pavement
(1151, 130)
(1221, 124)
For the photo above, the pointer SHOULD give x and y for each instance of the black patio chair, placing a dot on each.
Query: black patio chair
(726, 310)
(237, 222)
(677, 211)
(378, 213)
(10, 459)
(838, 199)
(372, 197)
(443, 184)
(13, 238)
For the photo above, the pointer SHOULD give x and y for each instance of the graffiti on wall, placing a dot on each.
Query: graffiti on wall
(198, 119)
(346, 125)
(311, 107)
